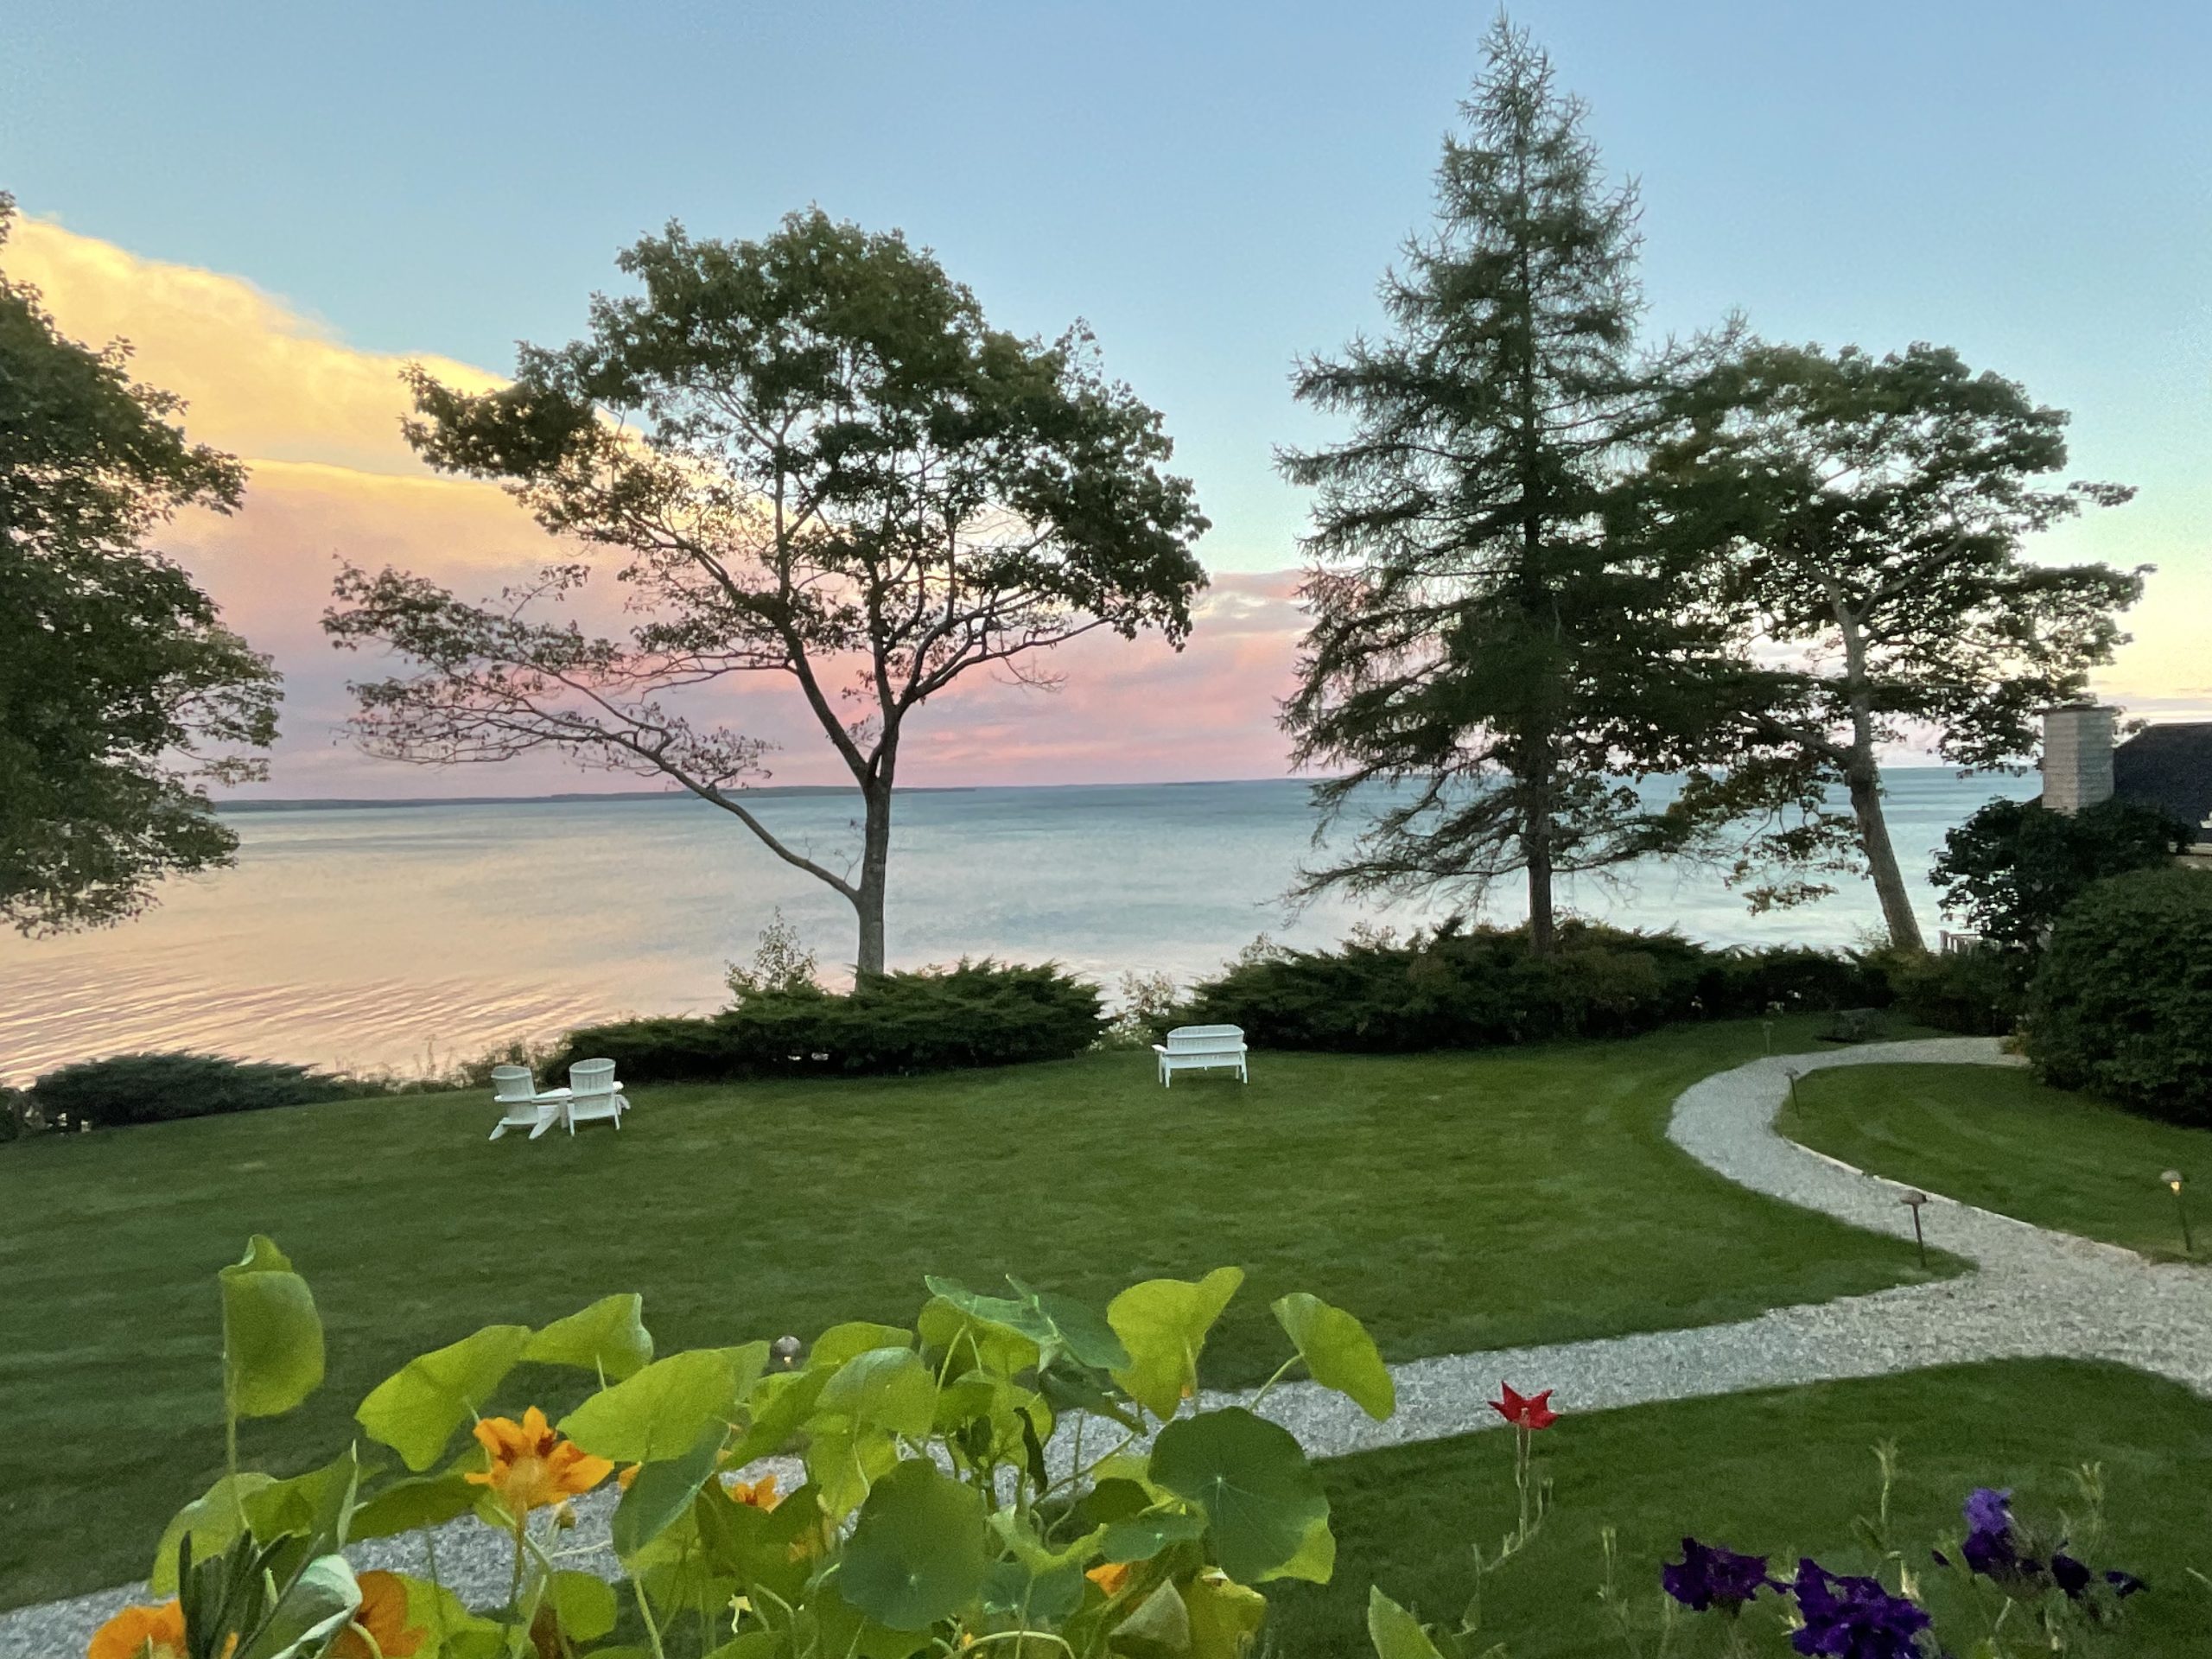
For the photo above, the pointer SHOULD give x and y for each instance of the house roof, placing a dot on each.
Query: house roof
(2170, 767)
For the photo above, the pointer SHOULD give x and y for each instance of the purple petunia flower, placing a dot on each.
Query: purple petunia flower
(1711, 1577)
(1854, 1618)
(1989, 1509)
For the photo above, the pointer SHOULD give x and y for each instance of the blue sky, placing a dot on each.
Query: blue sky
(1216, 187)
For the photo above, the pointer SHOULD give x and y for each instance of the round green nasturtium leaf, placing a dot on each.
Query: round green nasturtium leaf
(1163, 1323)
(661, 1412)
(584, 1603)
(415, 1410)
(1261, 1497)
(272, 1337)
(608, 1338)
(1339, 1352)
(213, 1521)
(920, 1550)
(1224, 1617)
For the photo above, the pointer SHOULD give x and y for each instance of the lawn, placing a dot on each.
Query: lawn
(1781, 1474)
(1456, 1202)
(2000, 1139)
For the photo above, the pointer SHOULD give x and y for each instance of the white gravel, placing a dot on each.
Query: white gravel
(2033, 1292)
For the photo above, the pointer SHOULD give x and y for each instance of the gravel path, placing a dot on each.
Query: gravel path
(2033, 1292)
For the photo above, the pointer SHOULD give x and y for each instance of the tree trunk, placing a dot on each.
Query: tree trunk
(1865, 781)
(875, 868)
(1863, 777)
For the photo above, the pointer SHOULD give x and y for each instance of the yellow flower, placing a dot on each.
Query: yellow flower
(1110, 1576)
(531, 1465)
(759, 1494)
(383, 1616)
(142, 1633)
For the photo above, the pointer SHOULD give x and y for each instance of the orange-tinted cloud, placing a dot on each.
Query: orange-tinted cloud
(318, 423)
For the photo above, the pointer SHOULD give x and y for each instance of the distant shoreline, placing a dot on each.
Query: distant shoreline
(347, 804)
(356, 803)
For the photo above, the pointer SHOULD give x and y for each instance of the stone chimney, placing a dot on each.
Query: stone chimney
(2076, 757)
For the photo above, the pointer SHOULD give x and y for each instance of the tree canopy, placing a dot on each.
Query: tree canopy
(1869, 518)
(1497, 655)
(122, 694)
(807, 456)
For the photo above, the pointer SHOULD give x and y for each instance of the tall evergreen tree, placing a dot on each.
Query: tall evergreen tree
(1489, 638)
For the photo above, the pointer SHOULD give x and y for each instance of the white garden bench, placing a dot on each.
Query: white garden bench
(1200, 1048)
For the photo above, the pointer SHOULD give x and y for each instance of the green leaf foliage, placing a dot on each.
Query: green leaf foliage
(1163, 1324)
(415, 1501)
(120, 1089)
(664, 1490)
(888, 1389)
(318, 1604)
(2122, 1004)
(1057, 1325)
(842, 1342)
(930, 1019)
(585, 1605)
(272, 1337)
(1260, 1497)
(609, 1338)
(919, 1549)
(1339, 1352)
(122, 696)
(661, 1412)
(415, 1410)
(1396, 1633)
(212, 1521)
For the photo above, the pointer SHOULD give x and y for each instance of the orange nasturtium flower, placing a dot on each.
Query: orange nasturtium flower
(382, 1614)
(759, 1494)
(141, 1633)
(533, 1467)
(1110, 1576)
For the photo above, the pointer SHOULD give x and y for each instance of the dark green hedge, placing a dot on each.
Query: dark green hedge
(1461, 987)
(1977, 993)
(153, 1088)
(936, 1019)
(2122, 1004)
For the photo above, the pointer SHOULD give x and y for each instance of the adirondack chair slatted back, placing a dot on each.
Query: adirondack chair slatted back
(512, 1083)
(590, 1078)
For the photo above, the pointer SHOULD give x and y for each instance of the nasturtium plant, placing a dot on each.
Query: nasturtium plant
(1020, 1469)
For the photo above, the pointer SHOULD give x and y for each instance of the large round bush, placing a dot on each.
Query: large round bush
(2122, 1005)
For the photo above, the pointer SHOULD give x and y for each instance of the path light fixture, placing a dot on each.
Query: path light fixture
(1913, 1199)
(784, 1350)
(2172, 1179)
(1790, 1072)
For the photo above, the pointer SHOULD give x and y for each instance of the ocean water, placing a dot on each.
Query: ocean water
(407, 938)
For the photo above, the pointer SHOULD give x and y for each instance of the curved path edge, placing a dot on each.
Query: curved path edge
(2033, 1293)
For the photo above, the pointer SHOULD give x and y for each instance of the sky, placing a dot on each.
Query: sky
(280, 205)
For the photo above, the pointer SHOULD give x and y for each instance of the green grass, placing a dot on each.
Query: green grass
(1779, 1474)
(1997, 1138)
(1455, 1202)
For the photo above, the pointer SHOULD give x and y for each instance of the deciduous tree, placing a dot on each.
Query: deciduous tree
(1872, 517)
(122, 697)
(807, 457)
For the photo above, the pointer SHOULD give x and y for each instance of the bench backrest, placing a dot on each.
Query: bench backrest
(1202, 1037)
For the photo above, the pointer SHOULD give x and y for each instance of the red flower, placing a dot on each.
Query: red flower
(1533, 1412)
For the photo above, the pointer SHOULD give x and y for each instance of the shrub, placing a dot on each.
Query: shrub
(2012, 868)
(934, 1019)
(1472, 987)
(1977, 993)
(2122, 1004)
(153, 1088)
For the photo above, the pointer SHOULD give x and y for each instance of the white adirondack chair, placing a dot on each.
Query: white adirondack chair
(1198, 1048)
(523, 1106)
(593, 1093)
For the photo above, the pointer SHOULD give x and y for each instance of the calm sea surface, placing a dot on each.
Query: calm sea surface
(405, 938)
